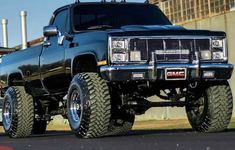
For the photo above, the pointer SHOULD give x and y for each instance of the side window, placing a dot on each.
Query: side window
(61, 20)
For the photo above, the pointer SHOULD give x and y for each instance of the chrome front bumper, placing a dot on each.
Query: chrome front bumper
(155, 72)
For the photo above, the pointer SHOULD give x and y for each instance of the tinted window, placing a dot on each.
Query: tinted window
(61, 20)
(117, 15)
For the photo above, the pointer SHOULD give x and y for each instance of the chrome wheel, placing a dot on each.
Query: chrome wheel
(7, 113)
(88, 105)
(75, 108)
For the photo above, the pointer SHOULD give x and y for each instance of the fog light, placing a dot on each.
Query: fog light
(208, 74)
(218, 55)
(135, 56)
(205, 55)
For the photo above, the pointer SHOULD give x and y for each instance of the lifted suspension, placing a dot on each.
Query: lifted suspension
(141, 105)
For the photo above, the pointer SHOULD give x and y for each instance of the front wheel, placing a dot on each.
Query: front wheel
(214, 111)
(88, 105)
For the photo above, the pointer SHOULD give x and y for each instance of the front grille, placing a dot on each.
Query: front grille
(169, 50)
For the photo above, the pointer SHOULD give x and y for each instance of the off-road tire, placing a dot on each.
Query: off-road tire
(121, 125)
(93, 105)
(217, 112)
(22, 112)
(122, 120)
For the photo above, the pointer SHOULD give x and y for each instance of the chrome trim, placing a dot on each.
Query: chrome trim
(110, 38)
(61, 38)
(126, 67)
(190, 66)
(163, 66)
(225, 49)
(196, 62)
(226, 66)
(50, 31)
(171, 37)
(116, 72)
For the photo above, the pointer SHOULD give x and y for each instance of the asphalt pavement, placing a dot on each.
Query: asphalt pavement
(135, 140)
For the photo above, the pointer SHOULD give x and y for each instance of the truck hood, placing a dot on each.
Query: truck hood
(153, 27)
(155, 30)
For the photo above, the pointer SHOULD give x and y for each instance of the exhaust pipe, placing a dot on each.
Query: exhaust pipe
(23, 15)
(4, 33)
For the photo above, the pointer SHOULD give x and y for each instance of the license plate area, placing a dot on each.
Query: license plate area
(175, 73)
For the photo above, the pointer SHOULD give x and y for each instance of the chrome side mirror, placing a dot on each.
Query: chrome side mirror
(50, 31)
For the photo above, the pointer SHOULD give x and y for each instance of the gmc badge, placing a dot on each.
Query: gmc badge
(175, 73)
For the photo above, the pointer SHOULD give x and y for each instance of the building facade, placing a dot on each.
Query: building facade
(182, 11)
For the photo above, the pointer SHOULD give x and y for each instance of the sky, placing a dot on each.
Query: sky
(39, 13)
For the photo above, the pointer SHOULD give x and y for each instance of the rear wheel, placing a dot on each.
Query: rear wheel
(214, 111)
(88, 105)
(18, 112)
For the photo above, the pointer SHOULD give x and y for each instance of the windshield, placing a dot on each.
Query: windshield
(103, 16)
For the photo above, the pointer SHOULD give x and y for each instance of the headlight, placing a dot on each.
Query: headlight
(217, 43)
(218, 55)
(119, 57)
(118, 44)
(119, 49)
(219, 51)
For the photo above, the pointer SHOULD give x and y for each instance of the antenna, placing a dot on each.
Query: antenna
(147, 2)
(77, 1)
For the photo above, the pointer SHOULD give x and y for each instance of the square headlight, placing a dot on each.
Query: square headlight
(217, 43)
(119, 49)
(219, 50)
(218, 55)
(118, 44)
(119, 57)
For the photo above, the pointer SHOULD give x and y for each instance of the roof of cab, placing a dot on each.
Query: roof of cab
(99, 3)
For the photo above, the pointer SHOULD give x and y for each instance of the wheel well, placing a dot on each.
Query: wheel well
(15, 80)
(84, 63)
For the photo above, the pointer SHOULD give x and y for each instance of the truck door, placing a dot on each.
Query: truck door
(52, 56)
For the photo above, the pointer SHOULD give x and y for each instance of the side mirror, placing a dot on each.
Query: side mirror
(50, 31)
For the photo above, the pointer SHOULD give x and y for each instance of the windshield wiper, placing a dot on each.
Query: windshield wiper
(99, 27)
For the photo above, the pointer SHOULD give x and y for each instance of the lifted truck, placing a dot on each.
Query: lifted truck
(99, 63)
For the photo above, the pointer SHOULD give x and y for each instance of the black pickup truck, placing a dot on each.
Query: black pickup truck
(100, 62)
